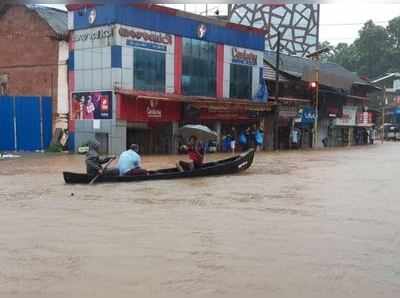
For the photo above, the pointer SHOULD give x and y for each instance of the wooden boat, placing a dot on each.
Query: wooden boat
(231, 165)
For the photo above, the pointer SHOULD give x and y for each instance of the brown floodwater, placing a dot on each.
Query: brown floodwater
(297, 224)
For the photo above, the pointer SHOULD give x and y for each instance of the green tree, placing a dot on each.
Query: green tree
(393, 30)
(346, 55)
(372, 47)
(375, 52)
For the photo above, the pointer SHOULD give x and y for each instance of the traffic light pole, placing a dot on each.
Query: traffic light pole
(316, 104)
(315, 56)
(276, 111)
(383, 115)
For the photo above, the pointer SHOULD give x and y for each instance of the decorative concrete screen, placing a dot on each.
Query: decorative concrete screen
(298, 24)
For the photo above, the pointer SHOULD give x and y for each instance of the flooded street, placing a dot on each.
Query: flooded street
(296, 224)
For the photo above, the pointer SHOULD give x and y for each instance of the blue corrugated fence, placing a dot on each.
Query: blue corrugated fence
(25, 123)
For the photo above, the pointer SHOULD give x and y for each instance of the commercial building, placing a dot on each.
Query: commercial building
(386, 101)
(137, 72)
(343, 114)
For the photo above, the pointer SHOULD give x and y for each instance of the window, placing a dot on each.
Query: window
(149, 70)
(199, 68)
(241, 81)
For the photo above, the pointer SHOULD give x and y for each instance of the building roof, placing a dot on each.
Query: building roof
(56, 18)
(393, 75)
(331, 74)
(215, 20)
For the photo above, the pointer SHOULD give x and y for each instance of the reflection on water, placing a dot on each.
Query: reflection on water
(297, 224)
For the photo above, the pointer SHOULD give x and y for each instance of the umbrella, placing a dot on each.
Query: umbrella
(201, 132)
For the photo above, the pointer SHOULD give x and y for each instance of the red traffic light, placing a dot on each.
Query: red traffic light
(313, 85)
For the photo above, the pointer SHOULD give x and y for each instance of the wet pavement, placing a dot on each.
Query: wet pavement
(297, 224)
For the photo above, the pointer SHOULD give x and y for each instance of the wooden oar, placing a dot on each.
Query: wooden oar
(98, 175)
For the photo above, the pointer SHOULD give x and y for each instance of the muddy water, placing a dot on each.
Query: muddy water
(297, 224)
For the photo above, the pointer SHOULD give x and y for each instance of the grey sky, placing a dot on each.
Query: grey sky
(335, 19)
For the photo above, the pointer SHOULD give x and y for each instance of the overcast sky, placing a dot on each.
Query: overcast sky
(339, 22)
(335, 16)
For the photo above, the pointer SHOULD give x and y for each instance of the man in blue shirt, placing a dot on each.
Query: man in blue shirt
(129, 162)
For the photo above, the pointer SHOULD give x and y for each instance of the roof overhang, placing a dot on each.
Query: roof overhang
(199, 101)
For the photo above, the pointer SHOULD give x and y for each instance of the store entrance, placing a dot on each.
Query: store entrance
(156, 139)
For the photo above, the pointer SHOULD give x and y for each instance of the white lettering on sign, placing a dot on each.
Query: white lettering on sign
(349, 116)
(244, 56)
(146, 36)
(98, 34)
(152, 110)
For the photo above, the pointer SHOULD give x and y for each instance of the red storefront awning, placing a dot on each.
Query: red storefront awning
(141, 106)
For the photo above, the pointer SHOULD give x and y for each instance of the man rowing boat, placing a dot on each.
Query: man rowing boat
(94, 162)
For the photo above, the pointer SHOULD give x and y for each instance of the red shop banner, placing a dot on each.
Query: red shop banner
(364, 118)
(226, 115)
(148, 110)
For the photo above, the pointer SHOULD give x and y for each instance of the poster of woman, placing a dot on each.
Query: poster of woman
(91, 105)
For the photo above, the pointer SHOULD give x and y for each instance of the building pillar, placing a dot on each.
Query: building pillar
(174, 143)
(178, 65)
(62, 86)
(218, 128)
(269, 131)
(350, 143)
(220, 71)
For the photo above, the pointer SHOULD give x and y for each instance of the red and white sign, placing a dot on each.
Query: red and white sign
(348, 118)
(364, 119)
(145, 110)
(244, 56)
(152, 110)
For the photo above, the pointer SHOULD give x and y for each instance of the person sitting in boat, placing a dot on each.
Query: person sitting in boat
(129, 163)
(94, 161)
(196, 156)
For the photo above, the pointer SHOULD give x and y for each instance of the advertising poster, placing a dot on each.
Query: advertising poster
(92, 105)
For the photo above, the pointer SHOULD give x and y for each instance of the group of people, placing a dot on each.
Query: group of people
(251, 137)
(129, 162)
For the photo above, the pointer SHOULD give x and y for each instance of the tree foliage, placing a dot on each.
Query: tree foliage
(376, 51)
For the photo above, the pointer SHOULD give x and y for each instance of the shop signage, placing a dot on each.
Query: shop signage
(146, 45)
(97, 34)
(153, 110)
(243, 57)
(287, 112)
(306, 115)
(149, 111)
(333, 112)
(348, 118)
(396, 99)
(92, 105)
(146, 36)
(201, 31)
(192, 112)
(364, 118)
(92, 16)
